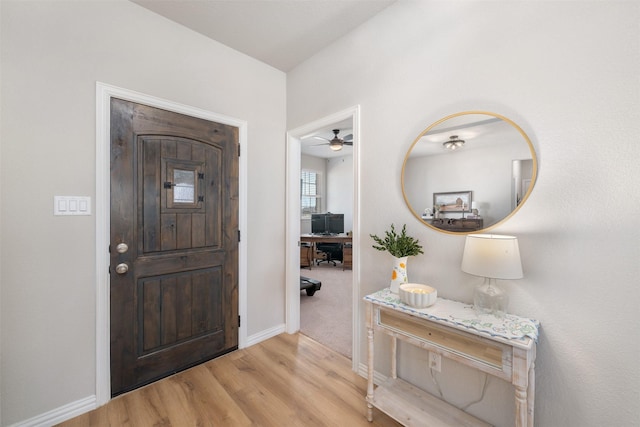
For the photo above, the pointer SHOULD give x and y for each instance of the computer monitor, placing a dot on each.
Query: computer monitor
(318, 223)
(328, 223)
(335, 223)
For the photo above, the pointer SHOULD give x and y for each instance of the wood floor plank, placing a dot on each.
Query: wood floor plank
(288, 380)
(252, 391)
(300, 392)
(202, 401)
(308, 384)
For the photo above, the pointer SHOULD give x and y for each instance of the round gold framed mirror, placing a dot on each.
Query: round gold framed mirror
(468, 172)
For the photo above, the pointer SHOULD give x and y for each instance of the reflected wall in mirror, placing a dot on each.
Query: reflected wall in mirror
(479, 152)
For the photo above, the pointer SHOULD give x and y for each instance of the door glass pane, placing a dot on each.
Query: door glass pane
(184, 188)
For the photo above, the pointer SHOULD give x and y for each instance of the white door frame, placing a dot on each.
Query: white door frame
(104, 93)
(293, 223)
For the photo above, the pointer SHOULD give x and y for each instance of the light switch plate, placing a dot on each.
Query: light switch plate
(71, 205)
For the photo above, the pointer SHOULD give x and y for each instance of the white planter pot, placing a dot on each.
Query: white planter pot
(399, 273)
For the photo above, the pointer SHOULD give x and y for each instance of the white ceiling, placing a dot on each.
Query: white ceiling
(479, 131)
(281, 33)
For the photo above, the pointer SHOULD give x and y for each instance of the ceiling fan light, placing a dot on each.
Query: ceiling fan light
(453, 143)
(336, 143)
(335, 146)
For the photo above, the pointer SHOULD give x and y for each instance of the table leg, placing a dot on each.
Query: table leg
(531, 393)
(394, 355)
(370, 374)
(522, 371)
(521, 406)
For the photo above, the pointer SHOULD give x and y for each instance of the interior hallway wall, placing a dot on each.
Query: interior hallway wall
(567, 73)
(340, 188)
(52, 55)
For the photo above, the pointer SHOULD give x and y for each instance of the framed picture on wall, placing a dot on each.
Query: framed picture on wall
(454, 201)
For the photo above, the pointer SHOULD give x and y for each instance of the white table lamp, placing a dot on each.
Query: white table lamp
(493, 257)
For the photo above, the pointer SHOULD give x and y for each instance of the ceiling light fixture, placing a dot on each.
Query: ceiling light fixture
(336, 144)
(453, 143)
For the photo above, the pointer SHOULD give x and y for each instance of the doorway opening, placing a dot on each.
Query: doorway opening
(345, 169)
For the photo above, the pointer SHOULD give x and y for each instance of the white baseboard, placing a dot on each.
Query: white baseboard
(58, 415)
(265, 335)
(378, 378)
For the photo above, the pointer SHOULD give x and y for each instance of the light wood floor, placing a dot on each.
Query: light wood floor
(288, 380)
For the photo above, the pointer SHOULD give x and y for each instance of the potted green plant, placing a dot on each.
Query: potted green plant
(401, 246)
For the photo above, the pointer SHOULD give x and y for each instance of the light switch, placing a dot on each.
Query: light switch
(71, 205)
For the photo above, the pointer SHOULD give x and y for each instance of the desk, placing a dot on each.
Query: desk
(306, 256)
(505, 348)
(317, 238)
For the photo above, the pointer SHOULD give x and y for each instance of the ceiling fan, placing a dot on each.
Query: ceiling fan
(337, 143)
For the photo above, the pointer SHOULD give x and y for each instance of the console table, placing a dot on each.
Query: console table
(503, 347)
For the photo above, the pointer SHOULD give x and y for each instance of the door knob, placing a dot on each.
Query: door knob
(122, 248)
(122, 268)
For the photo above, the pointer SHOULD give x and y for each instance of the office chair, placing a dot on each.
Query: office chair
(332, 252)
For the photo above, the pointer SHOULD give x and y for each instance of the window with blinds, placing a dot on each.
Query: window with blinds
(310, 194)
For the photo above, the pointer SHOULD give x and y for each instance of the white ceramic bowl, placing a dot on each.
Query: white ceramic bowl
(417, 295)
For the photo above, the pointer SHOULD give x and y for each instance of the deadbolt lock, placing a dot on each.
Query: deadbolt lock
(122, 248)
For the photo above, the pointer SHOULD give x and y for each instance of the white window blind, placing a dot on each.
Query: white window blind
(310, 197)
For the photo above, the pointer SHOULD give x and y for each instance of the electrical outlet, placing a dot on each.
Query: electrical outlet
(435, 361)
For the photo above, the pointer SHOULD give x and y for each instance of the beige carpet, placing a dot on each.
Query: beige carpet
(326, 316)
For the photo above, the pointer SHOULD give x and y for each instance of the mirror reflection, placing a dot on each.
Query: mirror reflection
(468, 172)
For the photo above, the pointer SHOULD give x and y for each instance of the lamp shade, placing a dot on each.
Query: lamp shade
(493, 256)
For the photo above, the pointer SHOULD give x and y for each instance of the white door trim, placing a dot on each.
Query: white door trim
(293, 223)
(104, 93)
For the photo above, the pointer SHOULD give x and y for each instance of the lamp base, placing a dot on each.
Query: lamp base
(488, 298)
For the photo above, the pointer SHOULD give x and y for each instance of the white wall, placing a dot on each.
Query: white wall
(52, 55)
(340, 188)
(1, 121)
(567, 73)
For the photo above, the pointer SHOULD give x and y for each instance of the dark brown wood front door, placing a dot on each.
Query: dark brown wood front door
(174, 204)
